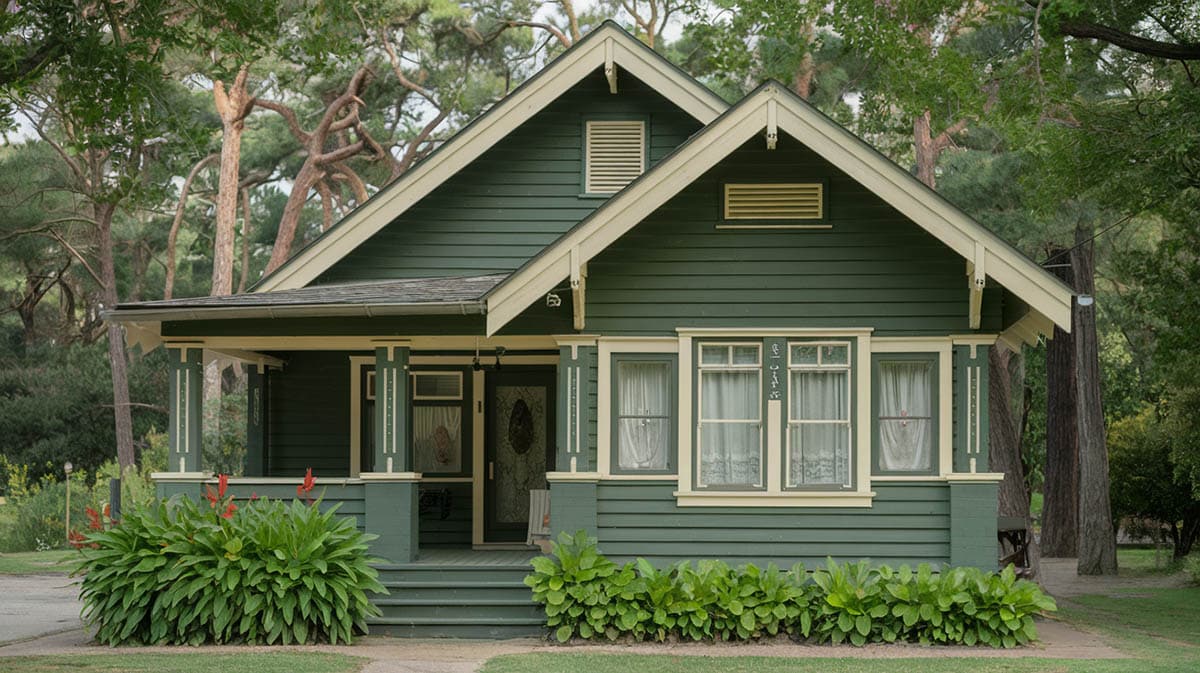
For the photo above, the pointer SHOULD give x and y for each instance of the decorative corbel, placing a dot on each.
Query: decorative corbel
(772, 126)
(610, 67)
(976, 280)
(578, 287)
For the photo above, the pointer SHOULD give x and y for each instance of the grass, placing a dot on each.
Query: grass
(187, 662)
(55, 561)
(1159, 628)
(1143, 562)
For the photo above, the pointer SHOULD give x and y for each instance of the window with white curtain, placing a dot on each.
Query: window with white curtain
(905, 404)
(819, 426)
(730, 428)
(643, 419)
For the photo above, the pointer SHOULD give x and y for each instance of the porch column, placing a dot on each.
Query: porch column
(257, 380)
(574, 481)
(973, 523)
(186, 376)
(392, 488)
(971, 405)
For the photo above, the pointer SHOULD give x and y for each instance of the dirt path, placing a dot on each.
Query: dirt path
(1059, 578)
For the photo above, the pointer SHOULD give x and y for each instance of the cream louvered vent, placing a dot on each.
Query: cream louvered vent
(616, 155)
(774, 201)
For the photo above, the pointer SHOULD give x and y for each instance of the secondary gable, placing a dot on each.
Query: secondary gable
(873, 267)
(519, 196)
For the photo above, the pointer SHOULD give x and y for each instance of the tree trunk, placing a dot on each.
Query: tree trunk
(1060, 512)
(1097, 538)
(177, 223)
(307, 177)
(1004, 445)
(925, 150)
(245, 270)
(103, 215)
(233, 108)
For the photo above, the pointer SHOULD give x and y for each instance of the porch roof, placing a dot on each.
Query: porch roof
(410, 296)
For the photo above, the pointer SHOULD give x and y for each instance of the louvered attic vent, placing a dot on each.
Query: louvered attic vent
(775, 201)
(616, 155)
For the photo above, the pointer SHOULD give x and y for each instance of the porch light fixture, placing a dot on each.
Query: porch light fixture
(499, 353)
(1086, 300)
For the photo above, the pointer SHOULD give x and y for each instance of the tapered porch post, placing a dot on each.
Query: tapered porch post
(392, 488)
(973, 489)
(574, 479)
(186, 397)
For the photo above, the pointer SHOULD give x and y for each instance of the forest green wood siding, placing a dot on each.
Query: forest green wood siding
(308, 415)
(908, 523)
(517, 197)
(873, 268)
(349, 496)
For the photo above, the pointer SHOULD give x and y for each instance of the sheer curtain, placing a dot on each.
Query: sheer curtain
(730, 429)
(820, 441)
(643, 415)
(906, 416)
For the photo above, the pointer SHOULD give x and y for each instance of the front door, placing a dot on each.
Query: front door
(518, 447)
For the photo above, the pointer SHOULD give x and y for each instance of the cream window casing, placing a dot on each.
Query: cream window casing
(606, 444)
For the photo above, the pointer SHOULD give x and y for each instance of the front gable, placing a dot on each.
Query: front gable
(504, 207)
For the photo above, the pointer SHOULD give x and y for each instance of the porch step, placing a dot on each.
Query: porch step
(456, 601)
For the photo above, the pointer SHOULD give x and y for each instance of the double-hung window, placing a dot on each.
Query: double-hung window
(730, 428)
(819, 412)
(644, 402)
(906, 402)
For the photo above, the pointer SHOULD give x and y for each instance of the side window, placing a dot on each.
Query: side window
(729, 402)
(819, 415)
(905, 410)
(644, 421)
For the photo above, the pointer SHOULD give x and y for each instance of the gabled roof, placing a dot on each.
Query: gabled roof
(774, 108)
(607, 45)
(410, 296)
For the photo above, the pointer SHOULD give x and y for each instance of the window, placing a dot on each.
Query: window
(773, 205)
(614, 154)
(644, 400)
(729, 400)
(905, 398)
(438, 428)
(819, 427)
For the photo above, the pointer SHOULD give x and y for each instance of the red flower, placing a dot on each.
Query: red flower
(228, 513)
(93, 519)
(75, 539)
(214, 496)
(211, 496)
(253, 495)
(303, 489)
(222, 485)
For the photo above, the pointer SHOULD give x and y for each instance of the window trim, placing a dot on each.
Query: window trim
(463, 400)
(583, 149)
(614, 448)
(851, 409)
(934, 358)
(698, 405)
(416, 373)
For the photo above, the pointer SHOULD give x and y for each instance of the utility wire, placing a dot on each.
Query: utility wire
(1093, 237)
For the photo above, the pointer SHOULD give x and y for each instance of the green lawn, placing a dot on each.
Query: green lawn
(38, 562)
(187, 662)
(1160, 628)
(1133, 562)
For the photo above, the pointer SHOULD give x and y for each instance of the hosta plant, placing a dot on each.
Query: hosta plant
(264, 571)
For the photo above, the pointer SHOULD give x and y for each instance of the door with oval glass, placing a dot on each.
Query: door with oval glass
(518, 447)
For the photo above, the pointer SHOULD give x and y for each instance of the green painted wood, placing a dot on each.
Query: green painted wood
(873, 268)
(576, 403)
(516, 198)
(391, 513)
(308, 415)
(965, 427)
(908, 522)
(391, 410)
(973, 507)
(185, 401)
(572, 508)
(256, 421)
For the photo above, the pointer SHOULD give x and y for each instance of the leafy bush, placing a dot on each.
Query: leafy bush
(1192, 565)
(180, 572)
(589, 596)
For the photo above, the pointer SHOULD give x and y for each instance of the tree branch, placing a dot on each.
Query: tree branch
(549, 28)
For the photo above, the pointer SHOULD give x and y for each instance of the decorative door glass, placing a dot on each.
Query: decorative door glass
(521, 442)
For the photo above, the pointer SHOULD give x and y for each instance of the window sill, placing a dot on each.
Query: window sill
(761, 499)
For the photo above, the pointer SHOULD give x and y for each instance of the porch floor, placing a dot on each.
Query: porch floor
(475, 557)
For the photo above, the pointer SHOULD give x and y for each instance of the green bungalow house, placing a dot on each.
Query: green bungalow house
(707, 330)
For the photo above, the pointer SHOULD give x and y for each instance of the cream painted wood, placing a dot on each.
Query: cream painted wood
(1049, 296)
(759, 499)
(364, 343)
(477, 459)
(587, 56)
(357, 362)
(606, 346)
(774, 201)
(685, 433)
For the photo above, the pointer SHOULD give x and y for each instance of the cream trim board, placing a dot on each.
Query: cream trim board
(578, 62)
(368, 343)
(820, 134)
(390, 476)
(356, 364)
(477, 439)
(586, 477)
(761, 499)
(606, 347)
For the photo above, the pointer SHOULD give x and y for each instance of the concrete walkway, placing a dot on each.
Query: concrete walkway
(35, 605)
(1059, 577)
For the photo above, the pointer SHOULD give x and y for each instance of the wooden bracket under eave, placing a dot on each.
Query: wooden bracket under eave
(578, 287)
(1029, 329)
(976, 281)
(772, 125)
(610, 66)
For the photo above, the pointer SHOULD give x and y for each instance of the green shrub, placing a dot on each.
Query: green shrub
(180, 572)
(1192, 565)
(589, 596)
(38, 523)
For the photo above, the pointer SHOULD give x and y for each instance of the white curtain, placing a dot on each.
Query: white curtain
(643, 415)
(730, 453)
(820, 446)
(437, 439)
(906, 416)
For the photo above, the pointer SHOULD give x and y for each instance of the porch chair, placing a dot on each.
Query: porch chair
(539, 519)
